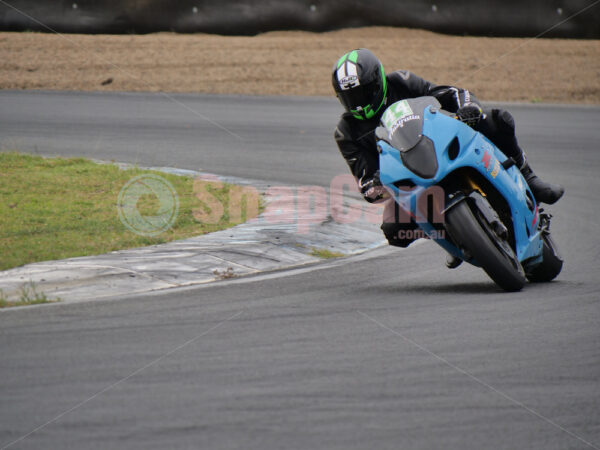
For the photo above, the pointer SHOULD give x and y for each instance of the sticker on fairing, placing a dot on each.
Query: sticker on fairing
(396, 112)
(397, 115)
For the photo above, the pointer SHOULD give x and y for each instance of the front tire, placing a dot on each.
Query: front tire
(471, 232)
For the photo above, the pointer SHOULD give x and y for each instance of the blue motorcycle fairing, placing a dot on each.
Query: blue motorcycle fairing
(477, 152)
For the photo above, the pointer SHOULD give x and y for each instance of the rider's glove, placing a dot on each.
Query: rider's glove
(471, 114)
(371, 188)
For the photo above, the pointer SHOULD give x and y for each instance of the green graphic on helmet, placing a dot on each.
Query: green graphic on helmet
(351, 56)
(367, 112)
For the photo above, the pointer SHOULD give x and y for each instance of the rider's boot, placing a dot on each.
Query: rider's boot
(499, 126)
(542, 191)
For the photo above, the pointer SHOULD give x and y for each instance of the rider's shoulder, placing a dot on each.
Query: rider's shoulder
(400, 76)
(351, 128)
(350, 119)
(345, 121)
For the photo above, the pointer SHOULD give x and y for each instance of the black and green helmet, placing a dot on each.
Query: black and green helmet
(359, 82)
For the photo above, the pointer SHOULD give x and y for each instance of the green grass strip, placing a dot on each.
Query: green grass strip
(56, 208)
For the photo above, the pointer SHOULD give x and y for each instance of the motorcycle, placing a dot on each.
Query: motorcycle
(465, 194)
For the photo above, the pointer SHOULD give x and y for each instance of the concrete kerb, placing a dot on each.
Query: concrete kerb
(260, 245)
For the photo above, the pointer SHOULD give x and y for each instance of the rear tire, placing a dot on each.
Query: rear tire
(551, 264)
(475, 236)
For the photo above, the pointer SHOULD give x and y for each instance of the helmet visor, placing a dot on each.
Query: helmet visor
(360, 97)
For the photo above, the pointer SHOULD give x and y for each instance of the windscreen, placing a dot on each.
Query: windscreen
(403, 122)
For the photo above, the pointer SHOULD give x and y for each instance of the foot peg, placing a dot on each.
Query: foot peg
(452, 262)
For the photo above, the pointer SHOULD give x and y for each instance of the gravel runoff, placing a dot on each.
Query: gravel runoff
(299, 63)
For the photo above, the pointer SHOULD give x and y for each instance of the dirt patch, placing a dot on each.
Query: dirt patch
(299, 63)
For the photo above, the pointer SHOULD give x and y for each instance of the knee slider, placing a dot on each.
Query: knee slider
(391, 232)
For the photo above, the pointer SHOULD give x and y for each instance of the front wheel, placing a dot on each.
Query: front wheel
(471, 232)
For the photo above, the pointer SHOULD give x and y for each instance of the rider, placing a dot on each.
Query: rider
(365, 91)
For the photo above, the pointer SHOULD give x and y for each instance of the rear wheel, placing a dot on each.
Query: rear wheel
(477, 238)
(551, 264)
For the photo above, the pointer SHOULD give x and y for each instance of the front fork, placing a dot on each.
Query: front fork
(477, 198)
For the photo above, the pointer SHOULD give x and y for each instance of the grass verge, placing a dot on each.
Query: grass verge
(56, 208)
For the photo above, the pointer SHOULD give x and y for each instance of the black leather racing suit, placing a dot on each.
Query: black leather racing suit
(356, 138)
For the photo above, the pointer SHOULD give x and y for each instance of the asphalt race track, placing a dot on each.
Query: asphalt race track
(386, 350)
